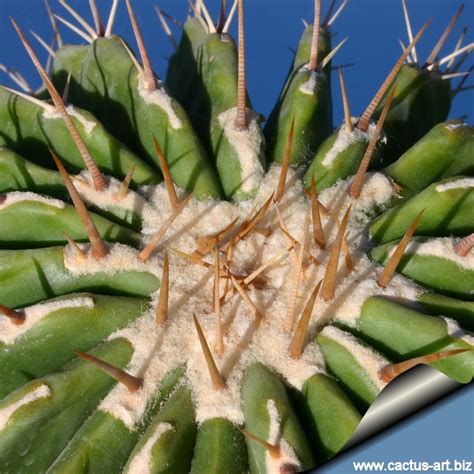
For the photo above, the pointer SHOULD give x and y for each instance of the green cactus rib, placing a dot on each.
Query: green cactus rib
(104, 443)
(30, 129)
(138, 119)
(18, 174)
(461, 311)
(304, 46)
(438, 273)
(331, 417)
(345, 162)
(445, 213)
(445, 151)
(66, 329)
(100, 444)
(170, 438)
(260, 388)
(216, 85)
(29, 276)
(417, 90)
(307, 102)
(220, 447)
(68, 59)
(213, 71)
(60, 415)
(51, 222)
(42, 428)
(310, 107)
(347, 367)
(217, 96)
(403, 333)
(182, 77)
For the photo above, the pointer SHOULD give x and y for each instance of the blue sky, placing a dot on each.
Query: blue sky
(272, 27)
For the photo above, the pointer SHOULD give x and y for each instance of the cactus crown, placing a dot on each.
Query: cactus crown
(173, 272)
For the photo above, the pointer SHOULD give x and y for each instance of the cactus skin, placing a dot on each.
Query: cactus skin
(66, 430)
(173, 451)
(445, 213)
(182, 74)
(18, 174)
(422, 100)
(131, 117)
(400, 331)
(306, 109)
(94, 446)
(259, 387)
(332, 419)
(66, 329)
(220, 447)
(50, 223)
(350, 373)
(312, 112)
(344, 165)
(28, 130)
(461, 311)
(44, 432)
(439, 274)
(68, 60)
(104, 442)
(431, 158)
(214, 93)
(29, 276)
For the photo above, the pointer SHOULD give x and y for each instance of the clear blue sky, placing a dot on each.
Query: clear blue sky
(273, 27)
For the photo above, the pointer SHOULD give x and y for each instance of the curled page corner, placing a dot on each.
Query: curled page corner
(405, 395)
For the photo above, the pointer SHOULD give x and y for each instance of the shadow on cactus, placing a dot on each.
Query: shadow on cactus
(184, 291)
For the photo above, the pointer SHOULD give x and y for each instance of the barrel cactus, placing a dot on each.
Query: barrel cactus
(184, 289)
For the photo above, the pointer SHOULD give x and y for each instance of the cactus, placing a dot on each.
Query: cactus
(187, 298)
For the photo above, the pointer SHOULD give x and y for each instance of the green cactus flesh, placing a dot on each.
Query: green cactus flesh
(147, 329)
